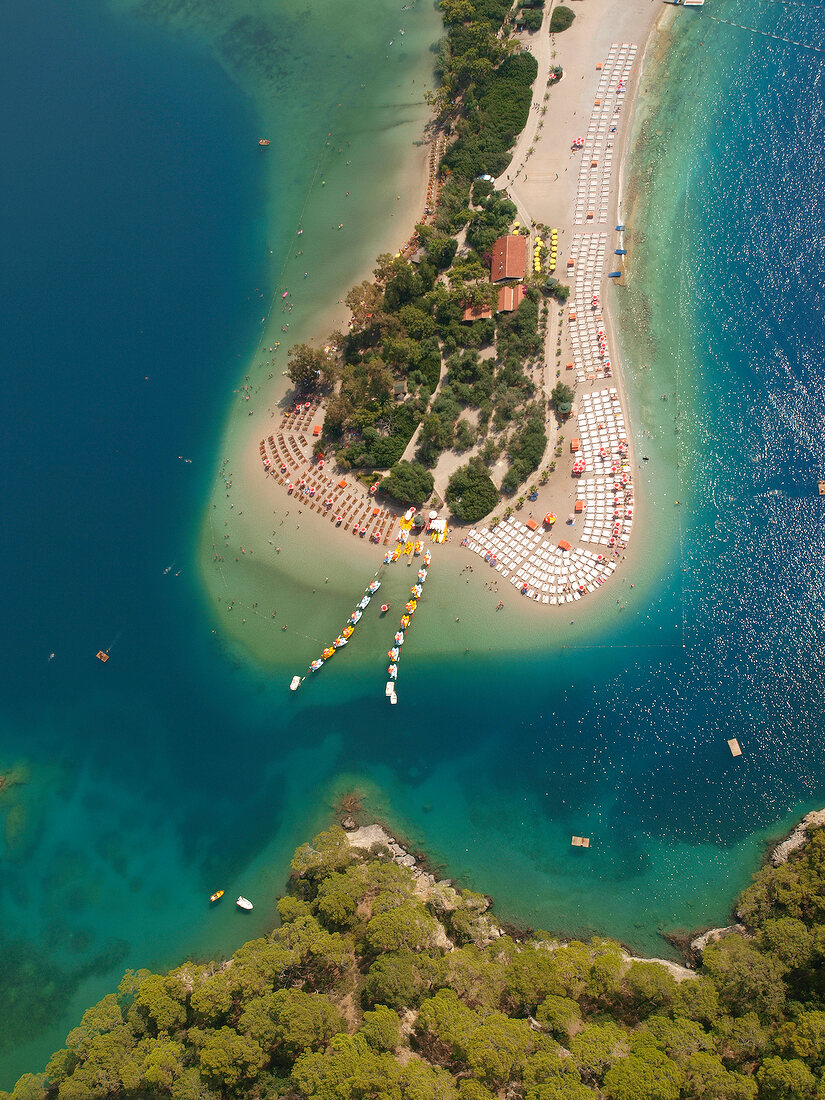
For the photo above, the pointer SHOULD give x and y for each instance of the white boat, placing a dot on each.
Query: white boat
(243, 903)
(389, 689)
(295, 683)
(393, 698)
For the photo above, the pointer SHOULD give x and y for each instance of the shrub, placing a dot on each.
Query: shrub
(561, 19)
(471, 493)
(408, 483)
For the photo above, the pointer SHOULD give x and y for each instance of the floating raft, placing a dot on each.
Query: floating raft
(580, 841)
(102, 656)
(735, 749)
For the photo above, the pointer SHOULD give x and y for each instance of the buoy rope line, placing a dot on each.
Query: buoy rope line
(768, 34)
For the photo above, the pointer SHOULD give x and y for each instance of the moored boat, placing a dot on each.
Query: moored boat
(216, 896)
(244, 903)
(384, 608)
(316, 664)
(263, 141)
(373, 587)
(295, 683)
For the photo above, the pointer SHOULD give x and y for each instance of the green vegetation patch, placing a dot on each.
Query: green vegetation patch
(408, 483)
(471, 492)
(560, 19)
(314, 1009)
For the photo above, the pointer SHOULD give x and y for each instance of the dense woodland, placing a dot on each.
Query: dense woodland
(409, 363)
(377, 985)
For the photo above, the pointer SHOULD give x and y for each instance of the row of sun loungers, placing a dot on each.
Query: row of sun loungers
(535, 563)
(588, 339)
(593, 189)
(287, 457)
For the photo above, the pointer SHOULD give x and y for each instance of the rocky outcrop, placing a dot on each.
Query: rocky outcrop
(798, 837)
(439, 893)
(713, 935)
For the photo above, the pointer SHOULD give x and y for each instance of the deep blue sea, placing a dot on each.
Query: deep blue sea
(133, 261)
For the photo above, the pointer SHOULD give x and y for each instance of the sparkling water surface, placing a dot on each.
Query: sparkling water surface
(136, 254)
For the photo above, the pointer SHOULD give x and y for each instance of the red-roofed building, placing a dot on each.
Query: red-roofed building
(477, 313)
(509, 258)
(509, 297)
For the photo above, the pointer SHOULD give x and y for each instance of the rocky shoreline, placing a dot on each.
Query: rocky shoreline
(693, 948)
(445, 896)
(430, 888)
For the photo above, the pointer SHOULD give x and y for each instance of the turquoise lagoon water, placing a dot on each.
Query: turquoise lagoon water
(137, 247)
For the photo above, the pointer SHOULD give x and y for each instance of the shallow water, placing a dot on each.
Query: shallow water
(179, 766)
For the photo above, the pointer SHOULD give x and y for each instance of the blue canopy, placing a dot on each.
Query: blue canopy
(614, 274)
(621, 251)
(620, 229)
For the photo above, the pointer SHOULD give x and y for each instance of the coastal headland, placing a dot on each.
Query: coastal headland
(545, 553)
(380, 979)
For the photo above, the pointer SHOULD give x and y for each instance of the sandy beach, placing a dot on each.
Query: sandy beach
(258, 540)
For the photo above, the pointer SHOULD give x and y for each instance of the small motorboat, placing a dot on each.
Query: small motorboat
(347, 631)
(339, 641)
(316, 664)
(396, 554)
(355, 616)
(388, 557)
(295, 683)
(262, 141)
(384, 608)
(216, 896)
(328, 652)
(363, 603)
(393, 671)
(422, 575)
(390, 688)
(419, 546)
(393, 653)
(427, 558)
(393, 697)
(399, 638)
(244, 903)
(373, 587)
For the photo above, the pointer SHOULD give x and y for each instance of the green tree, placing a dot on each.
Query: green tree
(212, 999)
(160, 1002)
(647, 987)
(400, 979)
(596, 1048)
(471, 493)
(561, 397)
(559, 1015)
(498, 1048)
(329, 851)
(408, 483)
(103, 1017)
(745, 978)
(349, 1068)
(381, 1028)
(781, 1079)
(226, 1058)
(650, 1075)
(561, 19)
(408, 925)
(309, 368)
(707, 1079)
(163, 1063)
(303, 1021)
